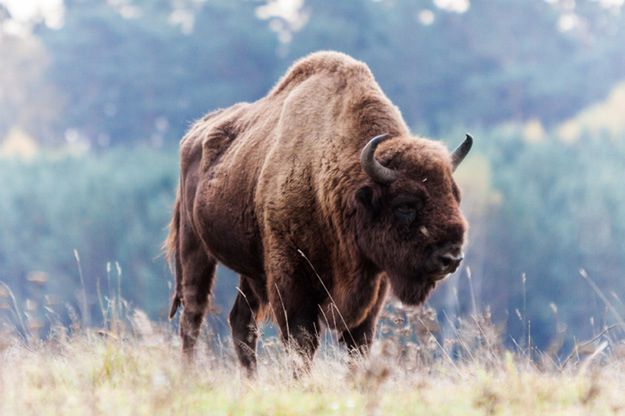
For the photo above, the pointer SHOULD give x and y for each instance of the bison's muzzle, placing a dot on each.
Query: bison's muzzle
(446, 260)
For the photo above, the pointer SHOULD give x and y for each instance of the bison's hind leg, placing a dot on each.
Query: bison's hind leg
(198, 272)
(244, 318)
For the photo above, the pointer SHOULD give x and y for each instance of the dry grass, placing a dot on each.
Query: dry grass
(135, 368)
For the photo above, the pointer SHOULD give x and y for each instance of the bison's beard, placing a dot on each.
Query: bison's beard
(411, 291)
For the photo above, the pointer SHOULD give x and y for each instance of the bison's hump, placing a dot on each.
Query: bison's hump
(330, 62)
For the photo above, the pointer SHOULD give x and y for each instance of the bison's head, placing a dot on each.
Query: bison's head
(410, 224)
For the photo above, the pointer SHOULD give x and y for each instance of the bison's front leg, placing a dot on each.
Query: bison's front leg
(295, 306)
(358, 339)
(299, 329)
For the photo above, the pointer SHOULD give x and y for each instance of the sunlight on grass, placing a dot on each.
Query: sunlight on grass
(139, 371)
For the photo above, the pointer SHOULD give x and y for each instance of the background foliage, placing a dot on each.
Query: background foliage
(92, 105)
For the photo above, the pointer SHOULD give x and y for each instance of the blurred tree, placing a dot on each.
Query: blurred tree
(561, 211)
(53, 205)
(145, 72)
(27, 101)
(494, 62)
(140, 70)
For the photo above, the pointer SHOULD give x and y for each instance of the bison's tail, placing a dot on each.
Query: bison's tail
(170, 247)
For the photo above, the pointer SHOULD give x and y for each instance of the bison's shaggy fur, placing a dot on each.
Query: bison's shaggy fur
(276, 191)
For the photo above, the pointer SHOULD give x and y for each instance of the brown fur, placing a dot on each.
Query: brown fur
(275, 191)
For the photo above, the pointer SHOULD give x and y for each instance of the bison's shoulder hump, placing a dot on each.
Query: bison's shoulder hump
(330, 62)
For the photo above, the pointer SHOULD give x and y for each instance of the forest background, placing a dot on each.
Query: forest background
(95, 96)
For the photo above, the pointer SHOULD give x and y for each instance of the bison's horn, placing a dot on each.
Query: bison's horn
(371, 166)
(461, 151)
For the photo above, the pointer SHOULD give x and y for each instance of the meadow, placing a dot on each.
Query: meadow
(133, 366)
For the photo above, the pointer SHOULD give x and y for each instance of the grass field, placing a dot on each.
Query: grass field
(136, 369)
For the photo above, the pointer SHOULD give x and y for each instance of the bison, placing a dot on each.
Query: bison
(321, 199)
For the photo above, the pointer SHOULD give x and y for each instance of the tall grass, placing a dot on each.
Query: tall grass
(134, 366)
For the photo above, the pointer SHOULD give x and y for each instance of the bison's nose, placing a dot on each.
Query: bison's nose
(449, 263)
(446, 260)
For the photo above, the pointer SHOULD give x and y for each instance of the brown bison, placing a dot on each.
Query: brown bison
(321, 199)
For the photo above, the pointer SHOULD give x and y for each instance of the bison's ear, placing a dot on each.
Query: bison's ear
(365, 196)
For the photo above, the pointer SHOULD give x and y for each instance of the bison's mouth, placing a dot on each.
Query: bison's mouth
(413, 291)
(438, 277)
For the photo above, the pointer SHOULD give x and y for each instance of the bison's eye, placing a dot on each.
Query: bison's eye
(405, 213)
